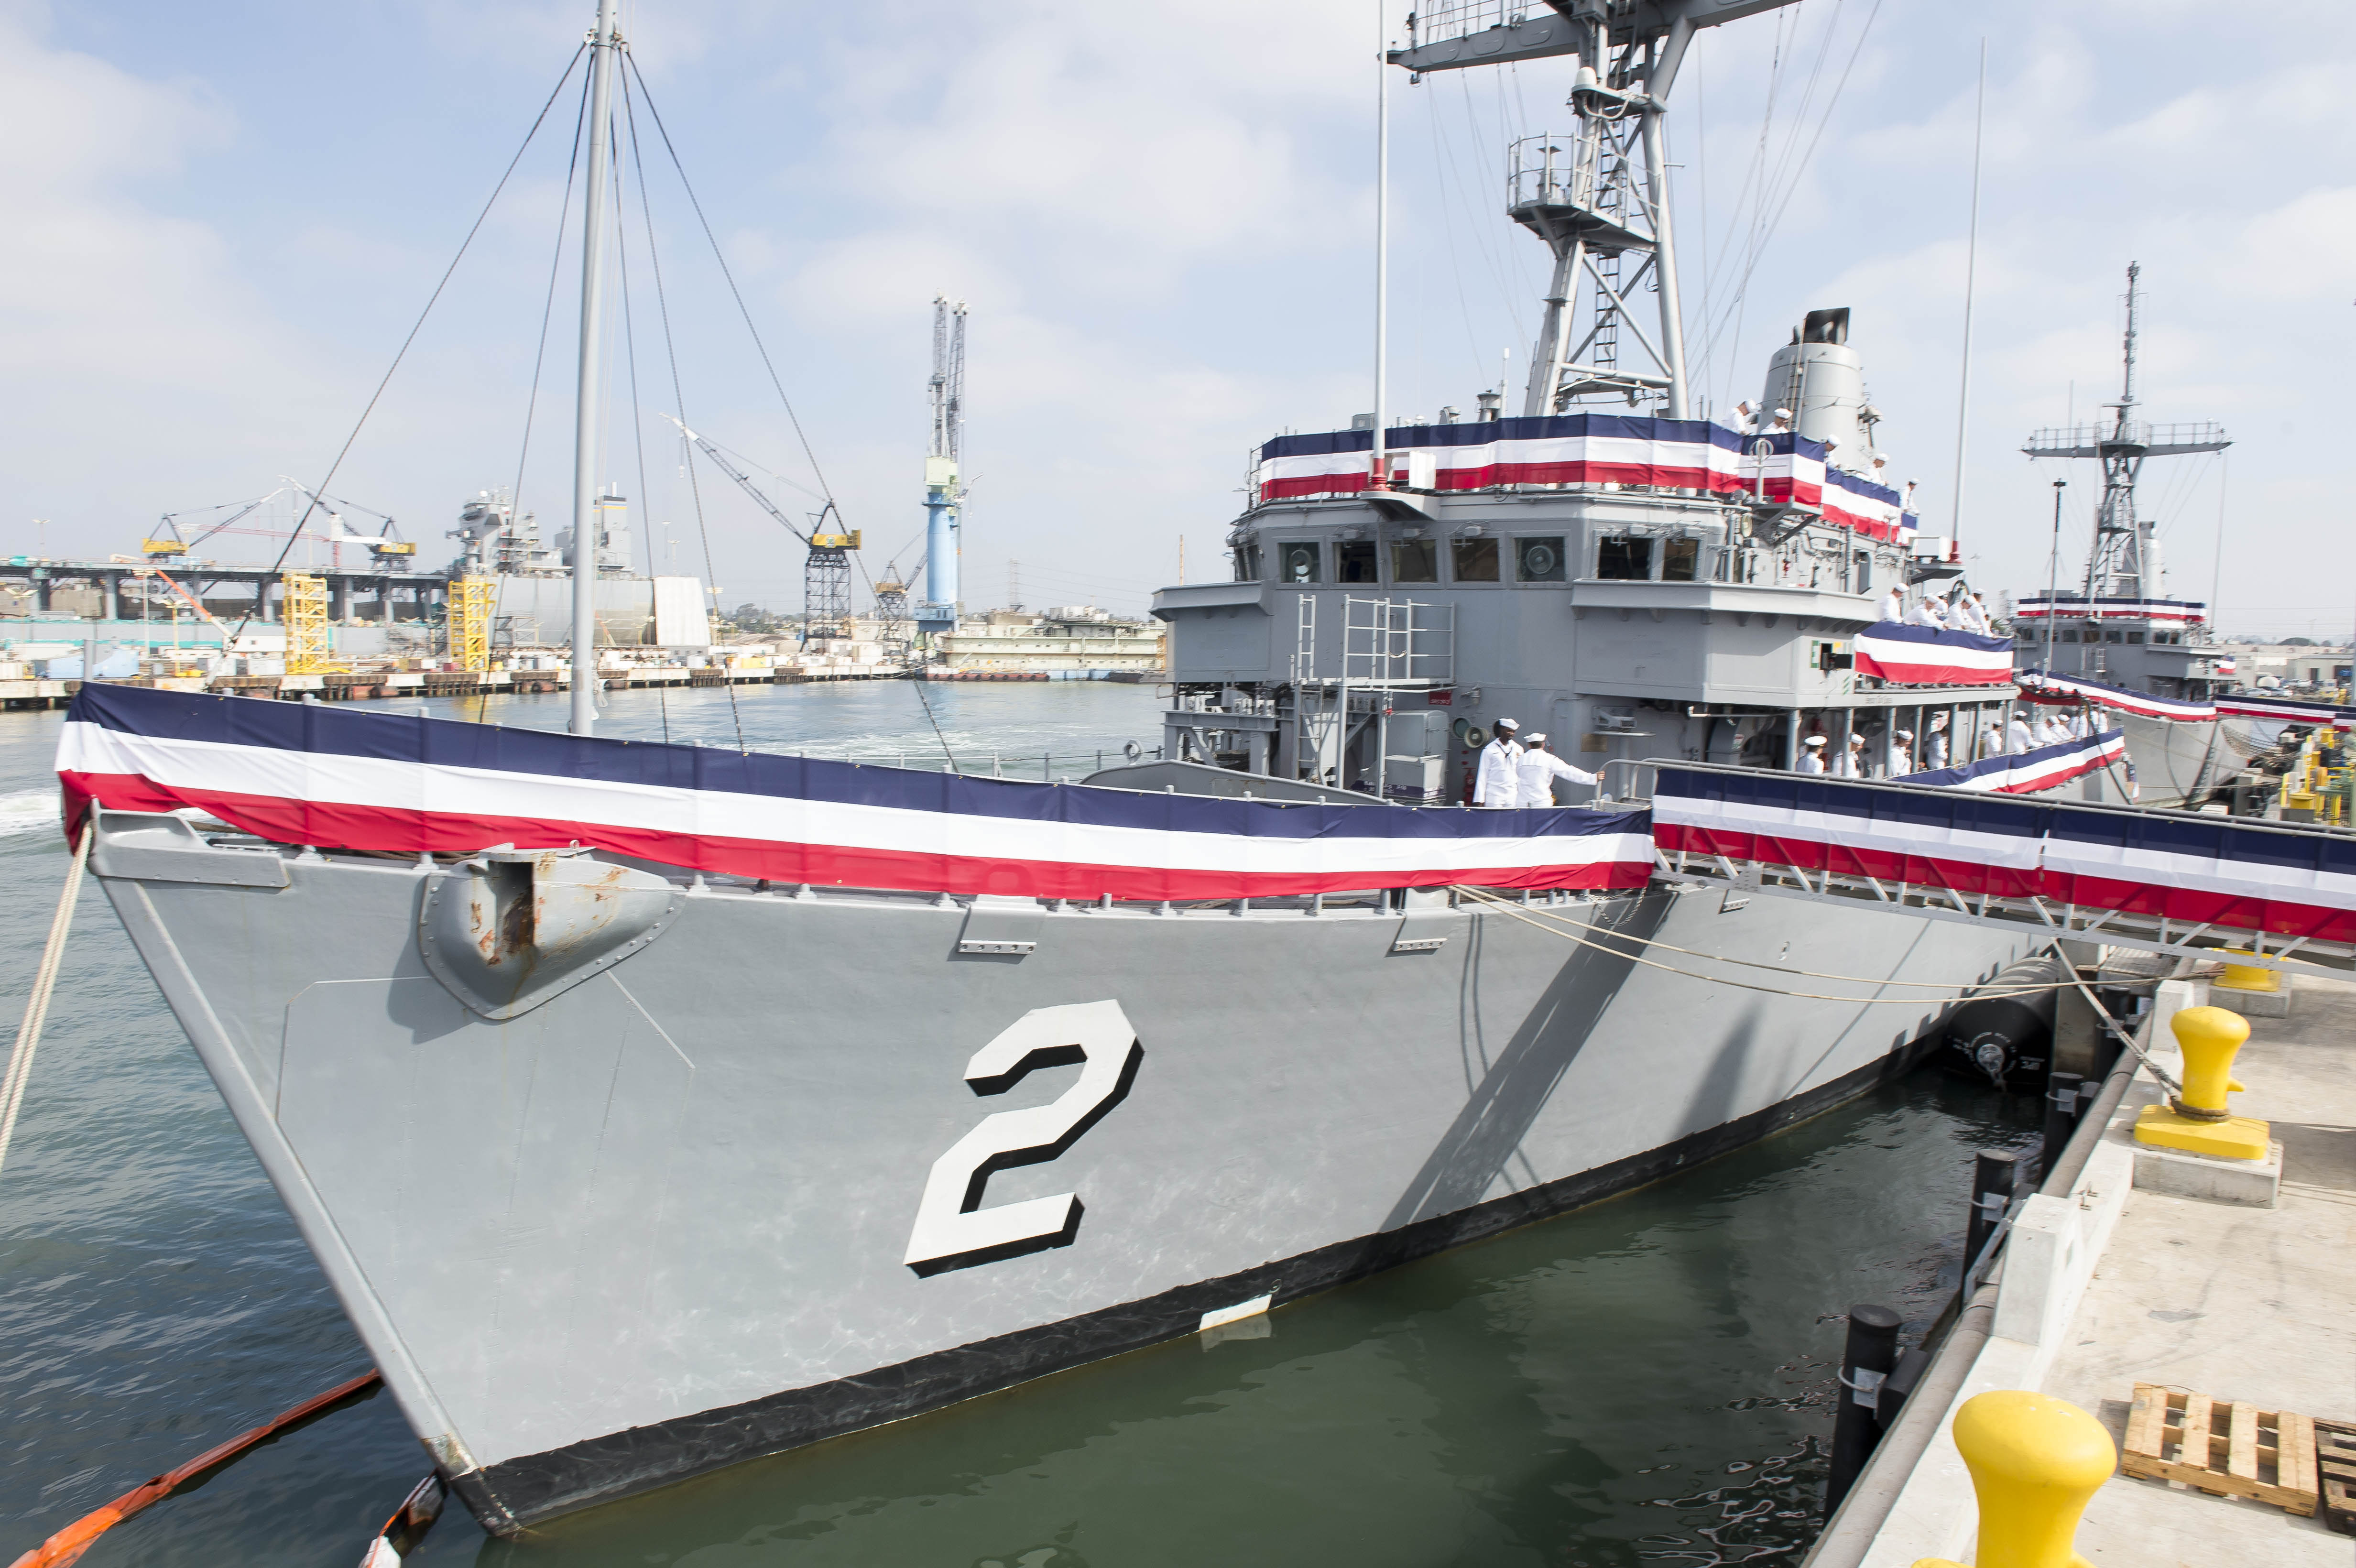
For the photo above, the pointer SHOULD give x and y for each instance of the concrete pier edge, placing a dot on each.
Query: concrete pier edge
(1914, 1497)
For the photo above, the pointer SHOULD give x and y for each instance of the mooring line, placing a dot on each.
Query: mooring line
(36, 1005)
(1508, 907)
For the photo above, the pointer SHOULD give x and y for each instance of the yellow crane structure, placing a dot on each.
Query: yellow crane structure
(310, 641)
(470, 621)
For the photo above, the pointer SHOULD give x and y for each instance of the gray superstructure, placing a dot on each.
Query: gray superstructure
(610, 1222)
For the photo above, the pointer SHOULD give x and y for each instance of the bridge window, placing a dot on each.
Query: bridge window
(1414, 561)
(1540, 560)
(1623, 559)
(1353, 562)
(1474, 560)
(1302, 560)
(2066, 635)
(2114, 635)
(1679, 559)
(2135, 636)
(1247, 562)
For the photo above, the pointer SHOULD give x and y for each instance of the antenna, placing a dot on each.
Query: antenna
(2124, 562)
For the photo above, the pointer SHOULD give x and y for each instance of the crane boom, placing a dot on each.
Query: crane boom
(744, 480)
(826, 574)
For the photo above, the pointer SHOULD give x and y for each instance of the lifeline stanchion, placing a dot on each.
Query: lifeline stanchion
(44, 980)
(1866, 1359)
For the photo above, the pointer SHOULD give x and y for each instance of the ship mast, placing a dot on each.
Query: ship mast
(2124, 562)
(1600, 196)
(604, 45)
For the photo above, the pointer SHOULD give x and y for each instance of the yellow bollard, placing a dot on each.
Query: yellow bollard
(2036, 1461)
(2248, 977)
(2198, 1122)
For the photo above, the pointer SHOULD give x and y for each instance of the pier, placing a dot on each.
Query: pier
(2209, 1335)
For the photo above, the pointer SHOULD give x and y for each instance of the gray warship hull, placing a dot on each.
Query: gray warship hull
(661, 1222)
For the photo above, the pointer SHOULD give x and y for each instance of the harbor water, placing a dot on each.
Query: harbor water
(1646, 1381)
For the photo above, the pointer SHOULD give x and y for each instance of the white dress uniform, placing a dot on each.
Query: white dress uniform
(1535, 772)
(1893, 605)
(1811, 760)
(1934, 751)
(1923, 616)
(2017, 736)
(1493, 783)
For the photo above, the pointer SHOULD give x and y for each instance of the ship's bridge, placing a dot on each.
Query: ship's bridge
(1619, 582)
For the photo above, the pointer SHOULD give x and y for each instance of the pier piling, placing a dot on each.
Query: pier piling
(1866, 1361)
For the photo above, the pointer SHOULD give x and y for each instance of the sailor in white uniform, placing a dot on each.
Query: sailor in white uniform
(1812, 756)
(1900, 759)
(1934, 748)
(1930, 612)
(1974, 610)
(1535, 772)
(1493, 783)
(2017, 736)
(1893, 604)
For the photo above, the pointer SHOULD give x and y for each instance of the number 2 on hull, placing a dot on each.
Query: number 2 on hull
(952, 1230)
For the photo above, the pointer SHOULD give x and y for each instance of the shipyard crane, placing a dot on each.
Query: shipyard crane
(825, 575)
(944, 495)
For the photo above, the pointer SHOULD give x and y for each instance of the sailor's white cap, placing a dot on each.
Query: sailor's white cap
(1507, 724)
(1814, 740)
(1906, 735)
(1533, 739)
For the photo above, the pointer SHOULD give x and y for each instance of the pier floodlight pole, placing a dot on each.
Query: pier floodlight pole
(605, 44)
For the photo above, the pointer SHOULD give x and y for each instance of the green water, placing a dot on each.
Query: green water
(1646, 1381)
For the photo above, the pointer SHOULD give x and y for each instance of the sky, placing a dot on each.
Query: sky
(227, 219)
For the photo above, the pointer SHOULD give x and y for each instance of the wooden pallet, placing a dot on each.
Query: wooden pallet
(2335, 1457)
(2223, 1447)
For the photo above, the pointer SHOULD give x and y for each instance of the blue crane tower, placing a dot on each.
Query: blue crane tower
(937, 612)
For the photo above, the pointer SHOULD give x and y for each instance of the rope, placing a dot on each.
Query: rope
(416, 327)
(1773, 969)
(671, 349)
(36, 1005)
(1505, 907)
(2125, 1037)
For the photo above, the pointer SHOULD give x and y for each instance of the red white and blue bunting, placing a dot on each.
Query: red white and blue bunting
(1636, 451)
(2070, 690)
(2282, 881)
(2026, 773)
(1932, 656)
(2284, 710)
(2078, 607)
(337, 778)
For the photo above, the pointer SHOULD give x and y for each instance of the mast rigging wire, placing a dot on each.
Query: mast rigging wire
(767, 364)
(671, 349)
(737, 293)
(419, 325)
(540, 352)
